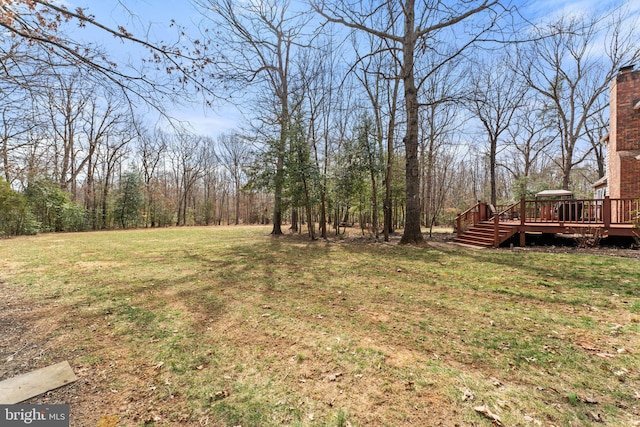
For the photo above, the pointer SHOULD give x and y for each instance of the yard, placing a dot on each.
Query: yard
(229, 326)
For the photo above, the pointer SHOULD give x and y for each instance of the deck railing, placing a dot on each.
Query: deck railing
(605, 211)
(586, 212)
(625, 210)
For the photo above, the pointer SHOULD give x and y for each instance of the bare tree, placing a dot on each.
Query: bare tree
(342, 124)
(103, 117)
(596, 130)
(17, 121)
(259, 40)
(437, 131)
(378, 77)
(65, 102)
(528, 139)
(166, 69)
(210, 180)
(564, 65)
(445, 160)
(233, 151)
(410, 28)
(441, 92)
(112, 152)
(152, 147)
(496, 96)
(186, 161)
(320, 70)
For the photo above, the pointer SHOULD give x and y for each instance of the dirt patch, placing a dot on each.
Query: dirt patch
(37, 335)
(31, 340)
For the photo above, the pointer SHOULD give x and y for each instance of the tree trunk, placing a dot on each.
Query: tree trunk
(567, 165)
(279, 179)
(294, 220)
(492, 170)
(310, 224)
(428, 184)
(5, 160)
(237, 201)
(387, 208)
(412, 231)
(105, 194)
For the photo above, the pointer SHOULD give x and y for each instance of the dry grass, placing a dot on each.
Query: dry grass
(229, 326)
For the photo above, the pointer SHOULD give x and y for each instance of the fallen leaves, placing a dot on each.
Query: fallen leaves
(621, 374)
(588, 346)
(596, 417)
(484, 410)
(108, 421)
(334, 377)
(222, 394)
(606, 355)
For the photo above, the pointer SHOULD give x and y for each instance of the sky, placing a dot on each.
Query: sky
(153, 17)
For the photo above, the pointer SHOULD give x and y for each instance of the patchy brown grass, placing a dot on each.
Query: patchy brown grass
(230, 326)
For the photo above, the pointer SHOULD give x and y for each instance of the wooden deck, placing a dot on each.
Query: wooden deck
(483, 225)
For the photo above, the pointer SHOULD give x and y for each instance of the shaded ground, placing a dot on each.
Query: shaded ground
(118, 388)
(618, 247)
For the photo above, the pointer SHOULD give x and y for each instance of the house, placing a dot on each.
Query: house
(623, 151)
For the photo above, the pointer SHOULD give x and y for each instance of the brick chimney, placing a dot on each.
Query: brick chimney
(624, 135)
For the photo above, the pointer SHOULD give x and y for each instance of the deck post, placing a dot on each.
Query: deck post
(523, 214)
(496, 229)
(482, 212)
(606, 212)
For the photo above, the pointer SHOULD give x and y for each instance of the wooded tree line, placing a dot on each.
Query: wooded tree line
(383, 116)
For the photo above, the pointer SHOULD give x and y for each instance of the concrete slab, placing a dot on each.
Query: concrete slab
(18, 389)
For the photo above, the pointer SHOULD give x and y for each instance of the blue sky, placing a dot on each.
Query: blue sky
(552, 8)
(154, 16)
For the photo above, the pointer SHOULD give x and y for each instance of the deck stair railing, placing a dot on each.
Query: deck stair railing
(505, 215)
(481, 225)
(510, 212)
(472, 216)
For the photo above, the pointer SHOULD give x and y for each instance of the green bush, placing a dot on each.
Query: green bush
(13, 210)
(53, 209)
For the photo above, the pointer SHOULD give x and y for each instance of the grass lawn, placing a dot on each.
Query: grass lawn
(230, 326)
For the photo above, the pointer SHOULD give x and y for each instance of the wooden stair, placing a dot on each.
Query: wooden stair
(481, 234)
